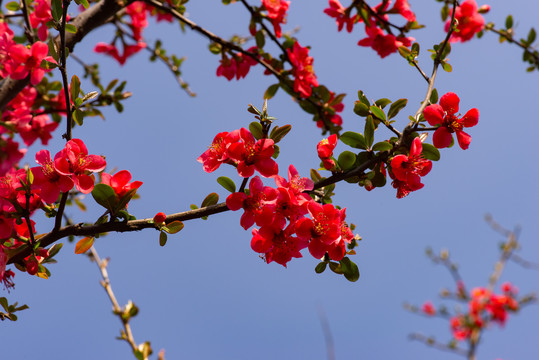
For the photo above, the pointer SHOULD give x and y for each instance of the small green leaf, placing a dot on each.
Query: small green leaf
(75, 87)
(379, 113)
(211, 199)
(215, 48)
(430, 152)
(105, 196)
(227, 183)
(335, 267)
(382, 146)
(361, 109)
(349, 269)
(270, 92)
(276, 151)
(369, 131)
(256, 129)
(509, 22)
(71, 28)
(353, 139)
(260, 39)
(279, 132)
(321, 267)
(346, 160)
(382, 103)
(56, 10)
(396, 107)
(173, 227)
(531, 36)
(13, 6)
(446, 66)
(434, 96)
(162, 238)
(84, 3)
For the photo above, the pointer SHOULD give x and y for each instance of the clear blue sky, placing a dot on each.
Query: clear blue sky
(207, 295)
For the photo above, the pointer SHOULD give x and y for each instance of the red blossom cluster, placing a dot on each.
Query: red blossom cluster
(379, 36)
(279, 212)
(238, 65)
(484, 307)
(276, 13)
(468, 21)
(302, 69)
(325, 151)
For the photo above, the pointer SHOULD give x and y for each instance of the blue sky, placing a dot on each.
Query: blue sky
(206, 294)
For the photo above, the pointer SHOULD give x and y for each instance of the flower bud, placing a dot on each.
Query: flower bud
(484, 9)
(159, 218)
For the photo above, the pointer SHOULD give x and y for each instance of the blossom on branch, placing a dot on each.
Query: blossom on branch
(276, 13)
(443, 115)
(468, 21)
(338, 11)
(304, 77)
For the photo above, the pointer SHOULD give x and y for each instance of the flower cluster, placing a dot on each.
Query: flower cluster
(241, 149)
(468, 21)
(379, 36)
(276, 13)
(238, 65)
(443, 116)
(302, 69)
(484, 307)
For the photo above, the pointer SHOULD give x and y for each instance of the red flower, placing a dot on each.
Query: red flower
(469, 22)
(444, 116)
(325, 151)
(337, 11)
(403, 8)
(276, 13)
(276, 244)
(302, 69)
(30, 61)
(428, 308)
(259, 205)
(253, 155)
(112, 50)
(120, 182)
(383, 44)
(48, 180)
(73, 160)
(217, 154)
(238, 65)
(410, 168)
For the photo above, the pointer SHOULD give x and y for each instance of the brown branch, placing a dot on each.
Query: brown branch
(429, 341)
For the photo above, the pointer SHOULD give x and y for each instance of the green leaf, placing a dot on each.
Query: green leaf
(308, 107)
(52, 50)
(260, 39)
(315, 176)
(56, 10)
(531, 36)
(354, 139)
(382, 146)
(379, 113)
(173, 227)
(75, 87)
(335, 267)
(122, 202)
(270, 92)
(227, 183)
(105, 196)
(321, 267)
(162, 238)
(405, 52)
(71, 28)
(369, 131)
(256, 129)
(382, 103)
(361, 109)
(78, 117)
(430, 152)
(278, 133)
(55, 249)
(215, 48)
(396, 107)
(509, 22)
(13, 6)
(84, 245)
(276, 151)
(349, 269)
(434, 96)
(84, 3)
(346, 160)
(211, 199)
(446, 66)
